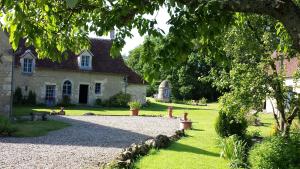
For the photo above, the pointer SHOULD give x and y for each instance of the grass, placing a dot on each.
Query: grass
(37, 128)
(197, 151)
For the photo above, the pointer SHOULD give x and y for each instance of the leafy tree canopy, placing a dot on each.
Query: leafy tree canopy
(148, 60)
(56, 26)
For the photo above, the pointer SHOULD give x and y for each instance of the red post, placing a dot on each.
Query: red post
(170, 111)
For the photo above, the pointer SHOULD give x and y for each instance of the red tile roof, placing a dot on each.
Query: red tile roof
(102, 61)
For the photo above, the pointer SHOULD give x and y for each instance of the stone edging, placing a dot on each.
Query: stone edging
(127, 157)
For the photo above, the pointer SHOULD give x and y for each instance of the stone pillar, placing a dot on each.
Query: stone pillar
(6, 61)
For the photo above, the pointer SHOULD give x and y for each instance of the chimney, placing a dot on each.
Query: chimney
(112, 34)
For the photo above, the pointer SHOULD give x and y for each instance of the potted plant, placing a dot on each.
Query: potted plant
(135, 107)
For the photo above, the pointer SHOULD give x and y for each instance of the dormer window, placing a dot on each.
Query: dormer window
(85, 60)
(27, 65)
(27, 62)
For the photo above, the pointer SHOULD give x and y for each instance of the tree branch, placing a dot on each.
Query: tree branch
(293, 115)
(285, 11)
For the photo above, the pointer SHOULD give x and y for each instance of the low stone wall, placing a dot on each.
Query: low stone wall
(127, 157)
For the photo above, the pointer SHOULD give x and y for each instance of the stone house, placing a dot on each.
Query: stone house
(290, 68)
(6, 71)
(92, 74)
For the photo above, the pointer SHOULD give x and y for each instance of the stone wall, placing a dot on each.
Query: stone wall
(111, 84)
(137, 92)
(5, 75)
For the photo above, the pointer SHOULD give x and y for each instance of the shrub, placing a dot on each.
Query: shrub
(6, 128)
(66, 101)
(31, 99)
(203, 101)
(18, 96)
(276, 152)
(234, 150)
(134, 105)
(118, 100)
(98, 102)
(228, 124)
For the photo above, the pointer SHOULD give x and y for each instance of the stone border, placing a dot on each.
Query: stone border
(127, 157)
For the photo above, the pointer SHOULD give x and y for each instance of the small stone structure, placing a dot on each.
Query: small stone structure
(6, 60)
(164, 91)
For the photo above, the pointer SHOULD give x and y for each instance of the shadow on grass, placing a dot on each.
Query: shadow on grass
(162, 107)
(186, 148)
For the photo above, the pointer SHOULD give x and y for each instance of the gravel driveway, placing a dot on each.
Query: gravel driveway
(89, 141)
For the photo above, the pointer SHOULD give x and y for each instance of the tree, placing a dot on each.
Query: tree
(184, 76)
(253, 75)
(56, 26)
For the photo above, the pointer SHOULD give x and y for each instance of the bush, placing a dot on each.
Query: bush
(276, 153)
(66, 101)
(134, 105)
(18, 96)
(98, 102)
(234, 150)
(6, 128)
(203, 101)
(228, 124)
(31, 99)
(118, 100)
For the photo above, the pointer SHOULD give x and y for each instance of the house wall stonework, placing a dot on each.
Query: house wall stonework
(110, 84)
(137, 92)
(6, 61)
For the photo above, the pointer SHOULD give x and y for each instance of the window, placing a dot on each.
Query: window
(27, 65)
(85, 61)
(67, 88)
(50, 93)
(98, 88)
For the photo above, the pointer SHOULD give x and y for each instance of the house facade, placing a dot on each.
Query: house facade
(91, 75)
(290, 68)
(6, 61)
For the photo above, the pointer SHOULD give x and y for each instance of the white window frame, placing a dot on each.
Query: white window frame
(27, 65)
(27, 61)
(98, 92)
(85, 60)
(67, 88)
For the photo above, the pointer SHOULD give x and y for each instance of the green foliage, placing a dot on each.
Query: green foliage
(118, 100)
(234, 150)
(228, 124)
(6, 128)
(134, 105)
(183, 75)
(18, 96)
(203, 101)
(98, 102)
(31, 98)
(66, 101)
(276, 152)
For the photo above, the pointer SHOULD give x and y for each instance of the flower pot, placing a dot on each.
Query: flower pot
(135, 112)
(185, 125)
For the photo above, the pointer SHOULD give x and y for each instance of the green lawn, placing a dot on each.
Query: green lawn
(37, 128)
(196, 151)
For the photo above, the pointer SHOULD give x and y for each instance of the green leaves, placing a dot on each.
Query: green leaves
(71, 3)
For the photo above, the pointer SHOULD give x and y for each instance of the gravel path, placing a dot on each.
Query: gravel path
(89, 141)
